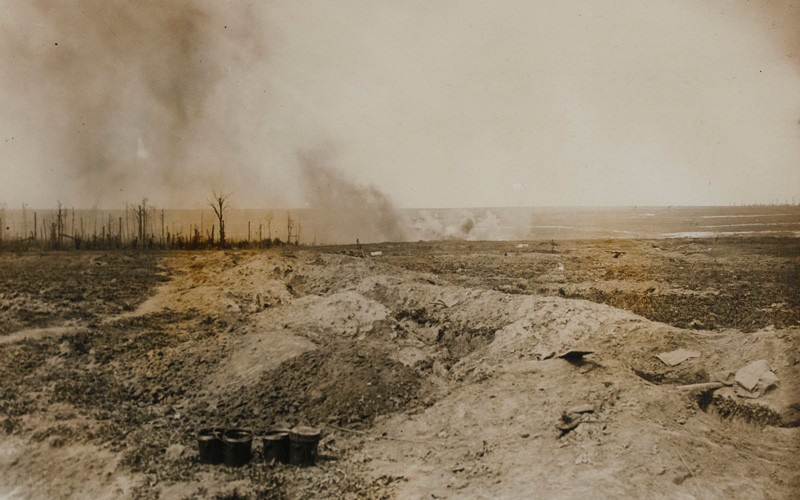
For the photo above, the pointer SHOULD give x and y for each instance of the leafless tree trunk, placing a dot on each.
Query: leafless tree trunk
(140, 217)
(289, 227)
(59, 227)
(269, 227)
(24, 221)
(220, 205)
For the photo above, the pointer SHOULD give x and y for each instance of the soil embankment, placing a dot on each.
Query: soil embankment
(433, 370)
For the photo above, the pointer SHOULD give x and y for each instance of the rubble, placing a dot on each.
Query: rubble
(574, 355)
(678, 356)
(755, 378)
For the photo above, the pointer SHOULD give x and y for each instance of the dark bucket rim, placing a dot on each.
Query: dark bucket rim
(304, 432)
(237, 436)
(210, 434)
(275, 436)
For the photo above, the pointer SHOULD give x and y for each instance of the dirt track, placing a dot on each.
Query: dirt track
(430, 368)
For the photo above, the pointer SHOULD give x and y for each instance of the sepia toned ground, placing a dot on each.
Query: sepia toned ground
(431, 368)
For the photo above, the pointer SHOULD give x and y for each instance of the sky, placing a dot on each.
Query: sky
(432, 103)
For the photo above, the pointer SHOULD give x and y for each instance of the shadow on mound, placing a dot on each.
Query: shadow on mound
(728, 409)
(343, 382)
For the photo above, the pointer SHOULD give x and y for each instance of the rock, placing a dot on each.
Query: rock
(174, 452)
(583, 408)
(568, 422)
(696, 324)
(676, 357)
(65, 348)
(764, 383)
(725, 377)
(749, 375)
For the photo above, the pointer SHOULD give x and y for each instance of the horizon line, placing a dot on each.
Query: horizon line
(473, 207)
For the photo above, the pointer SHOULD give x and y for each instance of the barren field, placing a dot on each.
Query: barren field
(433, 369)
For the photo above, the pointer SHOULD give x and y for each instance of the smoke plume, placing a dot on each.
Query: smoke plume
(477, 225)
(127, 95)
(780, 20)
(344, 211)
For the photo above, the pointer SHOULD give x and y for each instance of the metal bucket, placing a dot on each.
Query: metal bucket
(210, 446)
(276, 446)
(238, 448)
(303, 443)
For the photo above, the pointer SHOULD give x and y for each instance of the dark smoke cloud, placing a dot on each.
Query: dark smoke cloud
(127, 94)
(344, 211)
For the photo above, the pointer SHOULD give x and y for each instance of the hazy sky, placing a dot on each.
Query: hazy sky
(436, 103)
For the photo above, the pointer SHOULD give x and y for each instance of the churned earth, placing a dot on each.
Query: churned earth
(433, 369)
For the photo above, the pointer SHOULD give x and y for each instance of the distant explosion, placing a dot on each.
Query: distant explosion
(473, 227)
(343, 210)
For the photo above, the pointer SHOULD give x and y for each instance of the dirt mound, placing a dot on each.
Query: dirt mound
(222, 283)
(342, 314)
(747, 284)
(465, 380)
(342, 382)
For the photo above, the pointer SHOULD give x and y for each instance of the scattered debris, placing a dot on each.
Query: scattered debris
(706, 386)
(582, 408)
(441, 304)
(392, 392)
(755, 379)
(725, 377)
(573, 416)
(174, 452)
(696, 324)
(574, 354)
(678, 356)
(749, 375)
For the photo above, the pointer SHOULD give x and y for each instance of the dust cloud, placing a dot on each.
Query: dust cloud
(780, 21)
(470, 226)
(344, 211)
(134, 98)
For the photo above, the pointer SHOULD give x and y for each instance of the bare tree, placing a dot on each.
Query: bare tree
(2, 219)
(220, 205)
(140, 217)
(58, 227)
(269, 226)
(289, 227)
(24, 221)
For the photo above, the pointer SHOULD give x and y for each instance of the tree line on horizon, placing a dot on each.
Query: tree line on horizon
(143, 226)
